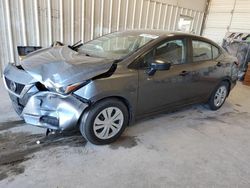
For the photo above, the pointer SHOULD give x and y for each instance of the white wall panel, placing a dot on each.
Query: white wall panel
(240, 22)
(40, 22)
(242, 6)
(241, 17)
(214, 20)
(221, 6)
(218, 19)
(227, 16)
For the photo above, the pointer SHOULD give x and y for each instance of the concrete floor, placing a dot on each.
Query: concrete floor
(194, 147)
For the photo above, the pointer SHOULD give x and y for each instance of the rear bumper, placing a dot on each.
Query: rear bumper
(52, 110)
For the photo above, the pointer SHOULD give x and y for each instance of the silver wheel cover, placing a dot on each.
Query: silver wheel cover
(108, 123)
(220, 96)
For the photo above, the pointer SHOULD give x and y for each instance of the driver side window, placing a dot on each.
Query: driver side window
(171, 51)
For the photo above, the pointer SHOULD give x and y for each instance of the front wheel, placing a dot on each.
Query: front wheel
(219, 96)
(104, 122)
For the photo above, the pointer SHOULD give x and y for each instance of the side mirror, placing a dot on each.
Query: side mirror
(158, 64)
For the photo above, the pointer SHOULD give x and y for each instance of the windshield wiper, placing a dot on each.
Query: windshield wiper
(76, 45)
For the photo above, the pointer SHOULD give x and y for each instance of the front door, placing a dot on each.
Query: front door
(169, 87)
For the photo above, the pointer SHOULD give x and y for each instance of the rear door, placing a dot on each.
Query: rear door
(207, 66)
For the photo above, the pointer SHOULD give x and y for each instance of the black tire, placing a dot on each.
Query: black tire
(213, 97)
(88, 118)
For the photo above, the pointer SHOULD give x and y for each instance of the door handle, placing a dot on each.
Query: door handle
(184, 73)
(219, 64)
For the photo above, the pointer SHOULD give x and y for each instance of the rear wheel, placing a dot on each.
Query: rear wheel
(104, 122)
(219, 96)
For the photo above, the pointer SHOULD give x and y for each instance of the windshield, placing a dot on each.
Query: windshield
(116, 45)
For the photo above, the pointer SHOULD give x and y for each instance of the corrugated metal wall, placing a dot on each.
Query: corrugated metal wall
(227, 16)
(40, 22)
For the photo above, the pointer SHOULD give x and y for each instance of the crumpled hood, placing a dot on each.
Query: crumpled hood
(61, 66)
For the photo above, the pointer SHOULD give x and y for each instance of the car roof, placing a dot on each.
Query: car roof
(155, 32)
(165, 34)
(160, 33)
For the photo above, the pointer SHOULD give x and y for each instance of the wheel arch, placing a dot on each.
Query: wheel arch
(123, 100)
(228, 80)
(224, 79)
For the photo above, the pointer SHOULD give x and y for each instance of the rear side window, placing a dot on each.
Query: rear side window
(202, 51)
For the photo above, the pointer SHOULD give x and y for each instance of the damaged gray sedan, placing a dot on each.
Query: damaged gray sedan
(100, 87)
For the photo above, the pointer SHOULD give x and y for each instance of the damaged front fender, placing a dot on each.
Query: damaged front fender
(54, 111)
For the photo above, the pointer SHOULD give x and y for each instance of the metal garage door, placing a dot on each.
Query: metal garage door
(227, 16)
(241, 17)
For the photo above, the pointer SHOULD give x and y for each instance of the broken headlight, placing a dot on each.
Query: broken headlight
(72, 87)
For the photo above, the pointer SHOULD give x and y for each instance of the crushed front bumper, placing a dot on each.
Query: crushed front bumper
(54, 111)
